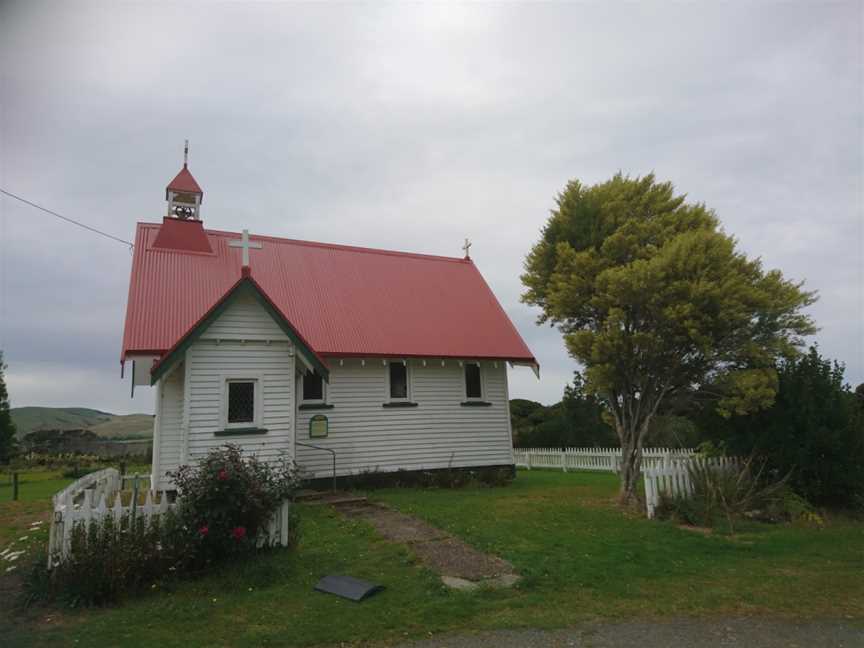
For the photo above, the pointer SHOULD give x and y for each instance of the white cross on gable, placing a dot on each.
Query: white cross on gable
(246, 244)
(467, 248)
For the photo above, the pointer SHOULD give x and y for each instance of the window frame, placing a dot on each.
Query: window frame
(312, 401)
(387, 385)
(482, 396)
(257, 381)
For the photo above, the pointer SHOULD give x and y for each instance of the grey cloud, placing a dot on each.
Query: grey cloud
(411, 127)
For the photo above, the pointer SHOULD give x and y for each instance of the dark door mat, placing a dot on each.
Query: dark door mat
(348, 587)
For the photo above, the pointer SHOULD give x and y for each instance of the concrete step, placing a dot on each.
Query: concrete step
(330, 498)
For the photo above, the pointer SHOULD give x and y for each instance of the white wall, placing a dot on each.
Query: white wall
(439, 432)
(244, 342)
(210, 364)
(169, 419)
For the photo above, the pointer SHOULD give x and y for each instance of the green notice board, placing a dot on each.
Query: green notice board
(318, 426)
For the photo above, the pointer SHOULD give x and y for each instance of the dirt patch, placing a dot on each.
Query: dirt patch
(438, 550)
(453, 557)
(395, 526)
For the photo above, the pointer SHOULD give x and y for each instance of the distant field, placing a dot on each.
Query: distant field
(104, 424)
(126, 426)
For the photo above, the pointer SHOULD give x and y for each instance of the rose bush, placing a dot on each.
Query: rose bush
(229, 498)
(225, 504)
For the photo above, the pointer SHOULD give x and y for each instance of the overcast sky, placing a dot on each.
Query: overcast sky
(411, 127)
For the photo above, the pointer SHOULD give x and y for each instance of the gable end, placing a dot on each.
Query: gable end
(246, 286)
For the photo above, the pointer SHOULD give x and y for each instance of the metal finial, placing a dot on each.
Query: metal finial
(467, 248)
(186, 153)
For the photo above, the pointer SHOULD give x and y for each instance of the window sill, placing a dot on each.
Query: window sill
(475, 403)
(240, 431)
(399, 404)
(316, 406)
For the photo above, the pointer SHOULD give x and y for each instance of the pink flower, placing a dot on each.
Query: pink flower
(223, 475)
(204, 530)
(239, 533)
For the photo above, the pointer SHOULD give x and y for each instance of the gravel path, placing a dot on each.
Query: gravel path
(459, 564)
(674, 633)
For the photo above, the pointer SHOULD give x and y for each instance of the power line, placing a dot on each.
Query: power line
(67, 219)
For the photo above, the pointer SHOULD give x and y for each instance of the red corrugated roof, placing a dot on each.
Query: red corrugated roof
(345, 301)
(184, 182)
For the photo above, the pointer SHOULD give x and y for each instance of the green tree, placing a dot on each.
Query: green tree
(654, 300)
(8, 443)
(576, 421)
(814, 430)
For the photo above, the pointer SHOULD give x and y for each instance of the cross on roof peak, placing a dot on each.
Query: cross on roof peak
(467, 248)
(244, 243)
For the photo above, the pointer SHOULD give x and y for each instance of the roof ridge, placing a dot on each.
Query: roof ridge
(333, 246)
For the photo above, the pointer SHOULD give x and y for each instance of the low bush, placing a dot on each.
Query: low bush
(108, 560)
(441, 478)
(725, 494)
(226, 504)
(228, 499)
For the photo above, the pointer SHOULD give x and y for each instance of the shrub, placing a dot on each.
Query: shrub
(814, 429)
(724, 494)
(227, 500)
(225, 505)
(790, 507)
(110, 559)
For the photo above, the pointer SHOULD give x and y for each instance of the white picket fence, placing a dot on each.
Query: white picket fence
(99, 495)
(600, 459)
(673, 478)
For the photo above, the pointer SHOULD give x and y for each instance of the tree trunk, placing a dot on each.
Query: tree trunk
(630, 469)
(632, 418)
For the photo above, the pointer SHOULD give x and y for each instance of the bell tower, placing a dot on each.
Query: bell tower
(183, 194)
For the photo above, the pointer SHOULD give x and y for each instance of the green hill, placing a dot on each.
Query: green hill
(105, 424)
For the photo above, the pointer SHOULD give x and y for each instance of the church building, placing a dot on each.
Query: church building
(381, 360)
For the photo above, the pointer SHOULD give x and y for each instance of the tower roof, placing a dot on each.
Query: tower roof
(183, 182)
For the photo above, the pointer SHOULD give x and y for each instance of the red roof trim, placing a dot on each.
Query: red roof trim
(396, 356)
(330, 246)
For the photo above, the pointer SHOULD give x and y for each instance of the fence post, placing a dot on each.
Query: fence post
(134, 498)
(563, 460)
(14, 486)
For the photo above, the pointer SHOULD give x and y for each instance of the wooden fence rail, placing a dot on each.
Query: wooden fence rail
(598, 459)
(99, 495)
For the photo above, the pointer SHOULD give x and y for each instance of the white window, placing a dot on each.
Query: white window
(398, 384)
(241, 403)
(313, 388)
(473, 381)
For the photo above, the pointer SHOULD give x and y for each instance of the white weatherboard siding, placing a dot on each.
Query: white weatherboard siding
(438, 433)
(169, 419)
(244, 319)
(210, 365)
(244, 342)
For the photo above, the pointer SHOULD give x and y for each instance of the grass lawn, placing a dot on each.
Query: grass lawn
(582, 559)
